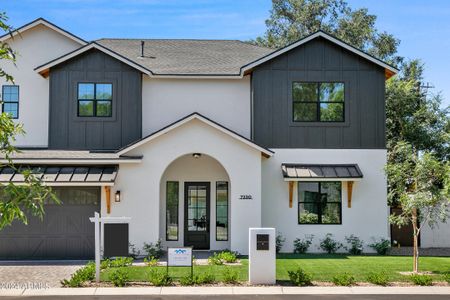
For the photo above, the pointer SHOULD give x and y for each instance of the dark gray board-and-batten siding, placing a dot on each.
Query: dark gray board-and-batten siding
(319, 61)
(68, 131)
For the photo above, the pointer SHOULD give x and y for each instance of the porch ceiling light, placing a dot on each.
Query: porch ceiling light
(117, 196)
(196, 155)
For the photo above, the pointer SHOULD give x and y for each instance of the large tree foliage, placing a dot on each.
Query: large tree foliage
(17, 201)
(417, 126)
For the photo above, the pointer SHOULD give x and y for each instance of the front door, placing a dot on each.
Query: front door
(196, 214)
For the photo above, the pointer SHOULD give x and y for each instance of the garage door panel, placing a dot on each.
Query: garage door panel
(64, 233)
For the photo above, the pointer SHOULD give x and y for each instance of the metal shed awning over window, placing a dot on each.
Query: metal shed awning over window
(321, 172)
(61, 175)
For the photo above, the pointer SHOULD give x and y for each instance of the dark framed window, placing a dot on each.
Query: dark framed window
(221, 211)
(172, 194)
(10, 103)
(318, 101)
(320, 202)
(94, 99)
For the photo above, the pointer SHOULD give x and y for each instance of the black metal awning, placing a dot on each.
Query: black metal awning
(321, 171)
(92, 175)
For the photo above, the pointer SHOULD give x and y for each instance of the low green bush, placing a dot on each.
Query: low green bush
(302, 245)
(447, 277)
(154, 250)
(421, 279)
(279, 242)
(355, 245)
(378, 278)
(205, 278)
(215, 260)
(230, 276)
(228, 256)
(300, 278)
(189, 280)
(160, 278)
(329, 245)
(119, 277)
(118, 262)
(81, 276)
(151, 261)
(344, 279)
(381, 246)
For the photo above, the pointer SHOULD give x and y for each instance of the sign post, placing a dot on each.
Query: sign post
(180, 257)
(97, 220)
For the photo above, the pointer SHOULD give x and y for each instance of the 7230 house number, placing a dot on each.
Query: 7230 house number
(245, 197)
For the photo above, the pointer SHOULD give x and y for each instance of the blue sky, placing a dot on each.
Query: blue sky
(423, 29)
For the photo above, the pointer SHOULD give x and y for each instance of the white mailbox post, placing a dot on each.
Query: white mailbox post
(97, 220)
(262, 256)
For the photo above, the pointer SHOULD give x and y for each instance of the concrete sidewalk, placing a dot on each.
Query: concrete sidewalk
(238, 290)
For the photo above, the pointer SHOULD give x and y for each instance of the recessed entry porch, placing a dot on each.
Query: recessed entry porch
(194, 202)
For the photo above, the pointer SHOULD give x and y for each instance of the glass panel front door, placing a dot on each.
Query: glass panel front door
(197, 196)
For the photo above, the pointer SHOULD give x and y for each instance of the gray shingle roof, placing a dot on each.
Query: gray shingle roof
(188, 57)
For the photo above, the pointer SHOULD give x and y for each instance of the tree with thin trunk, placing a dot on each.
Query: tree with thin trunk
(17, 202)
(420, 183)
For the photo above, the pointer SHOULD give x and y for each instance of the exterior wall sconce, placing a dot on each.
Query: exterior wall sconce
(117, 196)
(196, 155)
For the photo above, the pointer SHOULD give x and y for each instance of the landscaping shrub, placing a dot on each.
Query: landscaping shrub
(344, 279)
(160, 278)
(378, 278)
(302, 245)
(189, 280)
(206, 278)
(381, 246)
(120, 262)
(133, 251)
(447, 277)
(230, 276)
(151, 261)
(356, 245)
(87, 273)
(329, 245)
(215, 260)
(154, 250)
(228, 256)
(422, 279)
(279, 242)
(300, 278)
(119, 277)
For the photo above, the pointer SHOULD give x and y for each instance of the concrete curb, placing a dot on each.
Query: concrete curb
(237, 290)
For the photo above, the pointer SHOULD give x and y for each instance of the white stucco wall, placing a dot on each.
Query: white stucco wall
(438, 236)
(35, 47)
(167, 100)
(185, 169)
(140, 184)
(368, 216)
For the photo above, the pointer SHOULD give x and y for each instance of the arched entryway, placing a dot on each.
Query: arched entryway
(194, 202)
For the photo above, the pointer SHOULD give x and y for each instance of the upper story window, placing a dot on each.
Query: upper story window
(318, 101)
(10, 94)
(319, 202)
(94, 99)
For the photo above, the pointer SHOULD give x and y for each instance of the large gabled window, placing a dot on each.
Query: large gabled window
(318, 101)
(94, 99)
(10, 100)
(319, 202)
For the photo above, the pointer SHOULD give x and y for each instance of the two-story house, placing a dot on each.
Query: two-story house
(196, 140)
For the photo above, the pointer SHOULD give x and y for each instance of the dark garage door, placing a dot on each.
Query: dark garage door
(64, 233)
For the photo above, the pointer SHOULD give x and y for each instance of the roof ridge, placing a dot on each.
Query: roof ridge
(168, 39)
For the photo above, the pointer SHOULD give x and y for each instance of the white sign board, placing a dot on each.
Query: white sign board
(179, 257)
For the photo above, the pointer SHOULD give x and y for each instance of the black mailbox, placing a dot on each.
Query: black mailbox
(115, 240)
(262, 242)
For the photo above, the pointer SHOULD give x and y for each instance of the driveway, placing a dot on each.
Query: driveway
(43, 273)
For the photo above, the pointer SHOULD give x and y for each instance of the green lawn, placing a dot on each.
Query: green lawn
(321, 267)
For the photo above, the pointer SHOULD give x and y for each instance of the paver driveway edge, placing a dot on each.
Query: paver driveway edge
(238, 290)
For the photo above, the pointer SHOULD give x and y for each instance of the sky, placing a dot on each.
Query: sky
(423, 29)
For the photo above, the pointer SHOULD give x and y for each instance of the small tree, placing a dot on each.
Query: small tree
(420, 183)
(17, 200)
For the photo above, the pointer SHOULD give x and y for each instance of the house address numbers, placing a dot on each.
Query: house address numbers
(245, 197)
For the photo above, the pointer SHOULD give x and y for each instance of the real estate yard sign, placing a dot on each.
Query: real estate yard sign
(179, 257)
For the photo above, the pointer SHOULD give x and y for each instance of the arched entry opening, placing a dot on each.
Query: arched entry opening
(195, 203)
